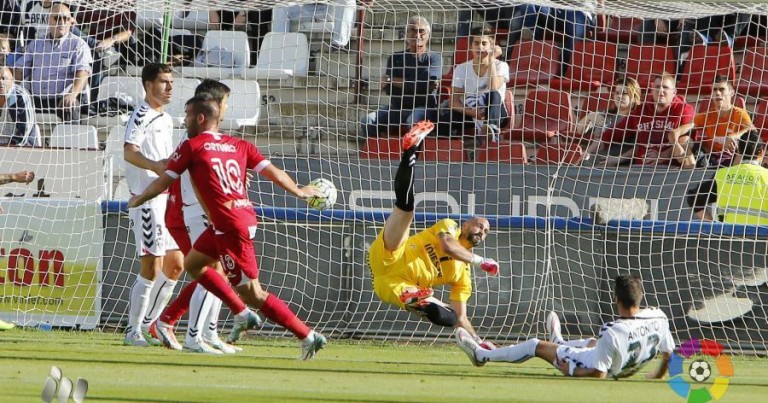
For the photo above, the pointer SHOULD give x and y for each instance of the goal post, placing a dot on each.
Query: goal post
(562, 226)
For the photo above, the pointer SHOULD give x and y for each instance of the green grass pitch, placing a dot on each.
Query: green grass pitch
(347, 371)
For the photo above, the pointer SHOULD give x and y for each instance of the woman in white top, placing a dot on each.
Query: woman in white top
(477, 94)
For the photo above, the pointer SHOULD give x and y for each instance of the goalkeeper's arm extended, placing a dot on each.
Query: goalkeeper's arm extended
(454, 249)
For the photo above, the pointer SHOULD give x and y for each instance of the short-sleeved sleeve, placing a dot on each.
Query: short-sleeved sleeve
(687, 114)
(447, 226)
(435, 65)
(666, 342)
(606, 351)
(180, 160)
(135, 132)
(742, 118)
(502, 69)
(256, 160)
(460, 75)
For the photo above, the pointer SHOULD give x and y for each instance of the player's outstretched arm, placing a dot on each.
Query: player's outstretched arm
(282, 179)
(661, 370)
(453, 248)
(157, 186)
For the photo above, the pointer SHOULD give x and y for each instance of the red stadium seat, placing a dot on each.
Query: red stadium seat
(569, 153)
(760, 119)
(702, 65)
(442, 150)
(593, 65)
(546, 114)
(533, 63)
(754, 73)
(620, 30)
(644, 62)
(595, 102)
(745, 42)
(512, 153)
(381, 148)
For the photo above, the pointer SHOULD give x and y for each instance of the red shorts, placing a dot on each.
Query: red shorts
(181, 236)
(236, 252)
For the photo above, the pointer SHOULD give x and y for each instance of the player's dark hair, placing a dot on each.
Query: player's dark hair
(629, 290)
(750, 145)
(206, 104)
(482, 31)
(216, 88)
(720, 78)
(152, 70)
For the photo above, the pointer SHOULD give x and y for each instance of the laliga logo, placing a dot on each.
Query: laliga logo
(699, 371)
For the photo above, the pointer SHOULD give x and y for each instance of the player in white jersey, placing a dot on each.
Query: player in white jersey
(622, 348)
(148, 144)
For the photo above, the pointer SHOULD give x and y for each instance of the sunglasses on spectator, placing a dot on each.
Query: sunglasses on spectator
(60, 17)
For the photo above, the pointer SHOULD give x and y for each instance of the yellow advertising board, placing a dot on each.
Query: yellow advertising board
(50, 262)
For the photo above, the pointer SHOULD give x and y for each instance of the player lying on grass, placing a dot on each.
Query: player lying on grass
(404, 269)
(217, 165)
(622, 348)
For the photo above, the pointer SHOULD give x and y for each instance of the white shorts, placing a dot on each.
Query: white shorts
(585, 357)
(148, 225)
(196, 222)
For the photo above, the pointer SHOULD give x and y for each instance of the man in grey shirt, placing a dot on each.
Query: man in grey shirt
(57, 68)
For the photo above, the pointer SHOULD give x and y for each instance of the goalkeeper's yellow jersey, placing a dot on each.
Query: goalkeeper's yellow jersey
(427, 265)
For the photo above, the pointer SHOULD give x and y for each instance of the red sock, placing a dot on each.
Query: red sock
(277, 311)
(179, 306)
(216, 284)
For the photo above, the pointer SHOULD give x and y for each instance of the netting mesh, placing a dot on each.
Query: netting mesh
(309, 96)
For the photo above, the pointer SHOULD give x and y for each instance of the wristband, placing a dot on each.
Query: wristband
(476, 260)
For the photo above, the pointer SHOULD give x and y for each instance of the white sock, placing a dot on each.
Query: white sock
(580, 343)
(517, 353)
(310, 338)
(137, 305)
(199, 306)
(210, 332)
(159, 296)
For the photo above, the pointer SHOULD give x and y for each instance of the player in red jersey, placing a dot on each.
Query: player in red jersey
(218, 163)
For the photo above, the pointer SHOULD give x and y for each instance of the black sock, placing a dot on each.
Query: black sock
(404, 198)
(441, 315)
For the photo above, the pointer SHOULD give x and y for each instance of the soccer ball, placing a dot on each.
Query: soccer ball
(700, 371)
(328, 198)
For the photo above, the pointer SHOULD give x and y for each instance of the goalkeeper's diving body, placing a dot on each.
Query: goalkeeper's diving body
(405, 269)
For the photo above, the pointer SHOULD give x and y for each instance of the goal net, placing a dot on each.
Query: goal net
(575, 197)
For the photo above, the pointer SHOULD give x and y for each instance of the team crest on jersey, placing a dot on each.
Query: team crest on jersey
(229, 263)
(175, 156)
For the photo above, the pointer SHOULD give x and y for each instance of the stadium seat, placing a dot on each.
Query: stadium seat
(113, 152)
(244, 104)
(644, 62)
(282, 55)
(232, 41)
(74, 136)
(126, 88)
(594, 102)
(749, 41)
(443, 149)
(505, 152)
(702, 65)
(381, 148)
(195, 20)
(569, 153)
(754, 73)
(619, 30)
(121, 191)
(760, 118)
(546, 114)
(592, 66)
(533, 63)
(183, 90)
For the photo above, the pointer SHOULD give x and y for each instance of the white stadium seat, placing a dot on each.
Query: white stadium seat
(196, 20)
(126, 88)
(183, 90)
(113, 151)
(244, 104)
(74, 136)
(231, 41)
(282, 55)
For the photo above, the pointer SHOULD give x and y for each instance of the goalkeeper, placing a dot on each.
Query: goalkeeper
(404, 269)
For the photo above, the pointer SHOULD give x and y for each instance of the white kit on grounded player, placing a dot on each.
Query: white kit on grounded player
(148, 144)
(622, 347)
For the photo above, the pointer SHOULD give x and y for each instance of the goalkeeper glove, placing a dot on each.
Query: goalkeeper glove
(489, 266)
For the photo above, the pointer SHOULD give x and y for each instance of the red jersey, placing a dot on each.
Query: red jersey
(174, 217)
(651, 128)
(217, 165)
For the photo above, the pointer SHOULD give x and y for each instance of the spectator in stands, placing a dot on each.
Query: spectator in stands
(660, 129)
(18, 124)
(411, 80)
(110, 35)
(341, 12)
(477, 93)
(510, 18)
(227, 20)
(7, 56)
(57, 68)
(721, 125)
(740, 191)
(10, 18)
(34, 18)
(625, 97)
